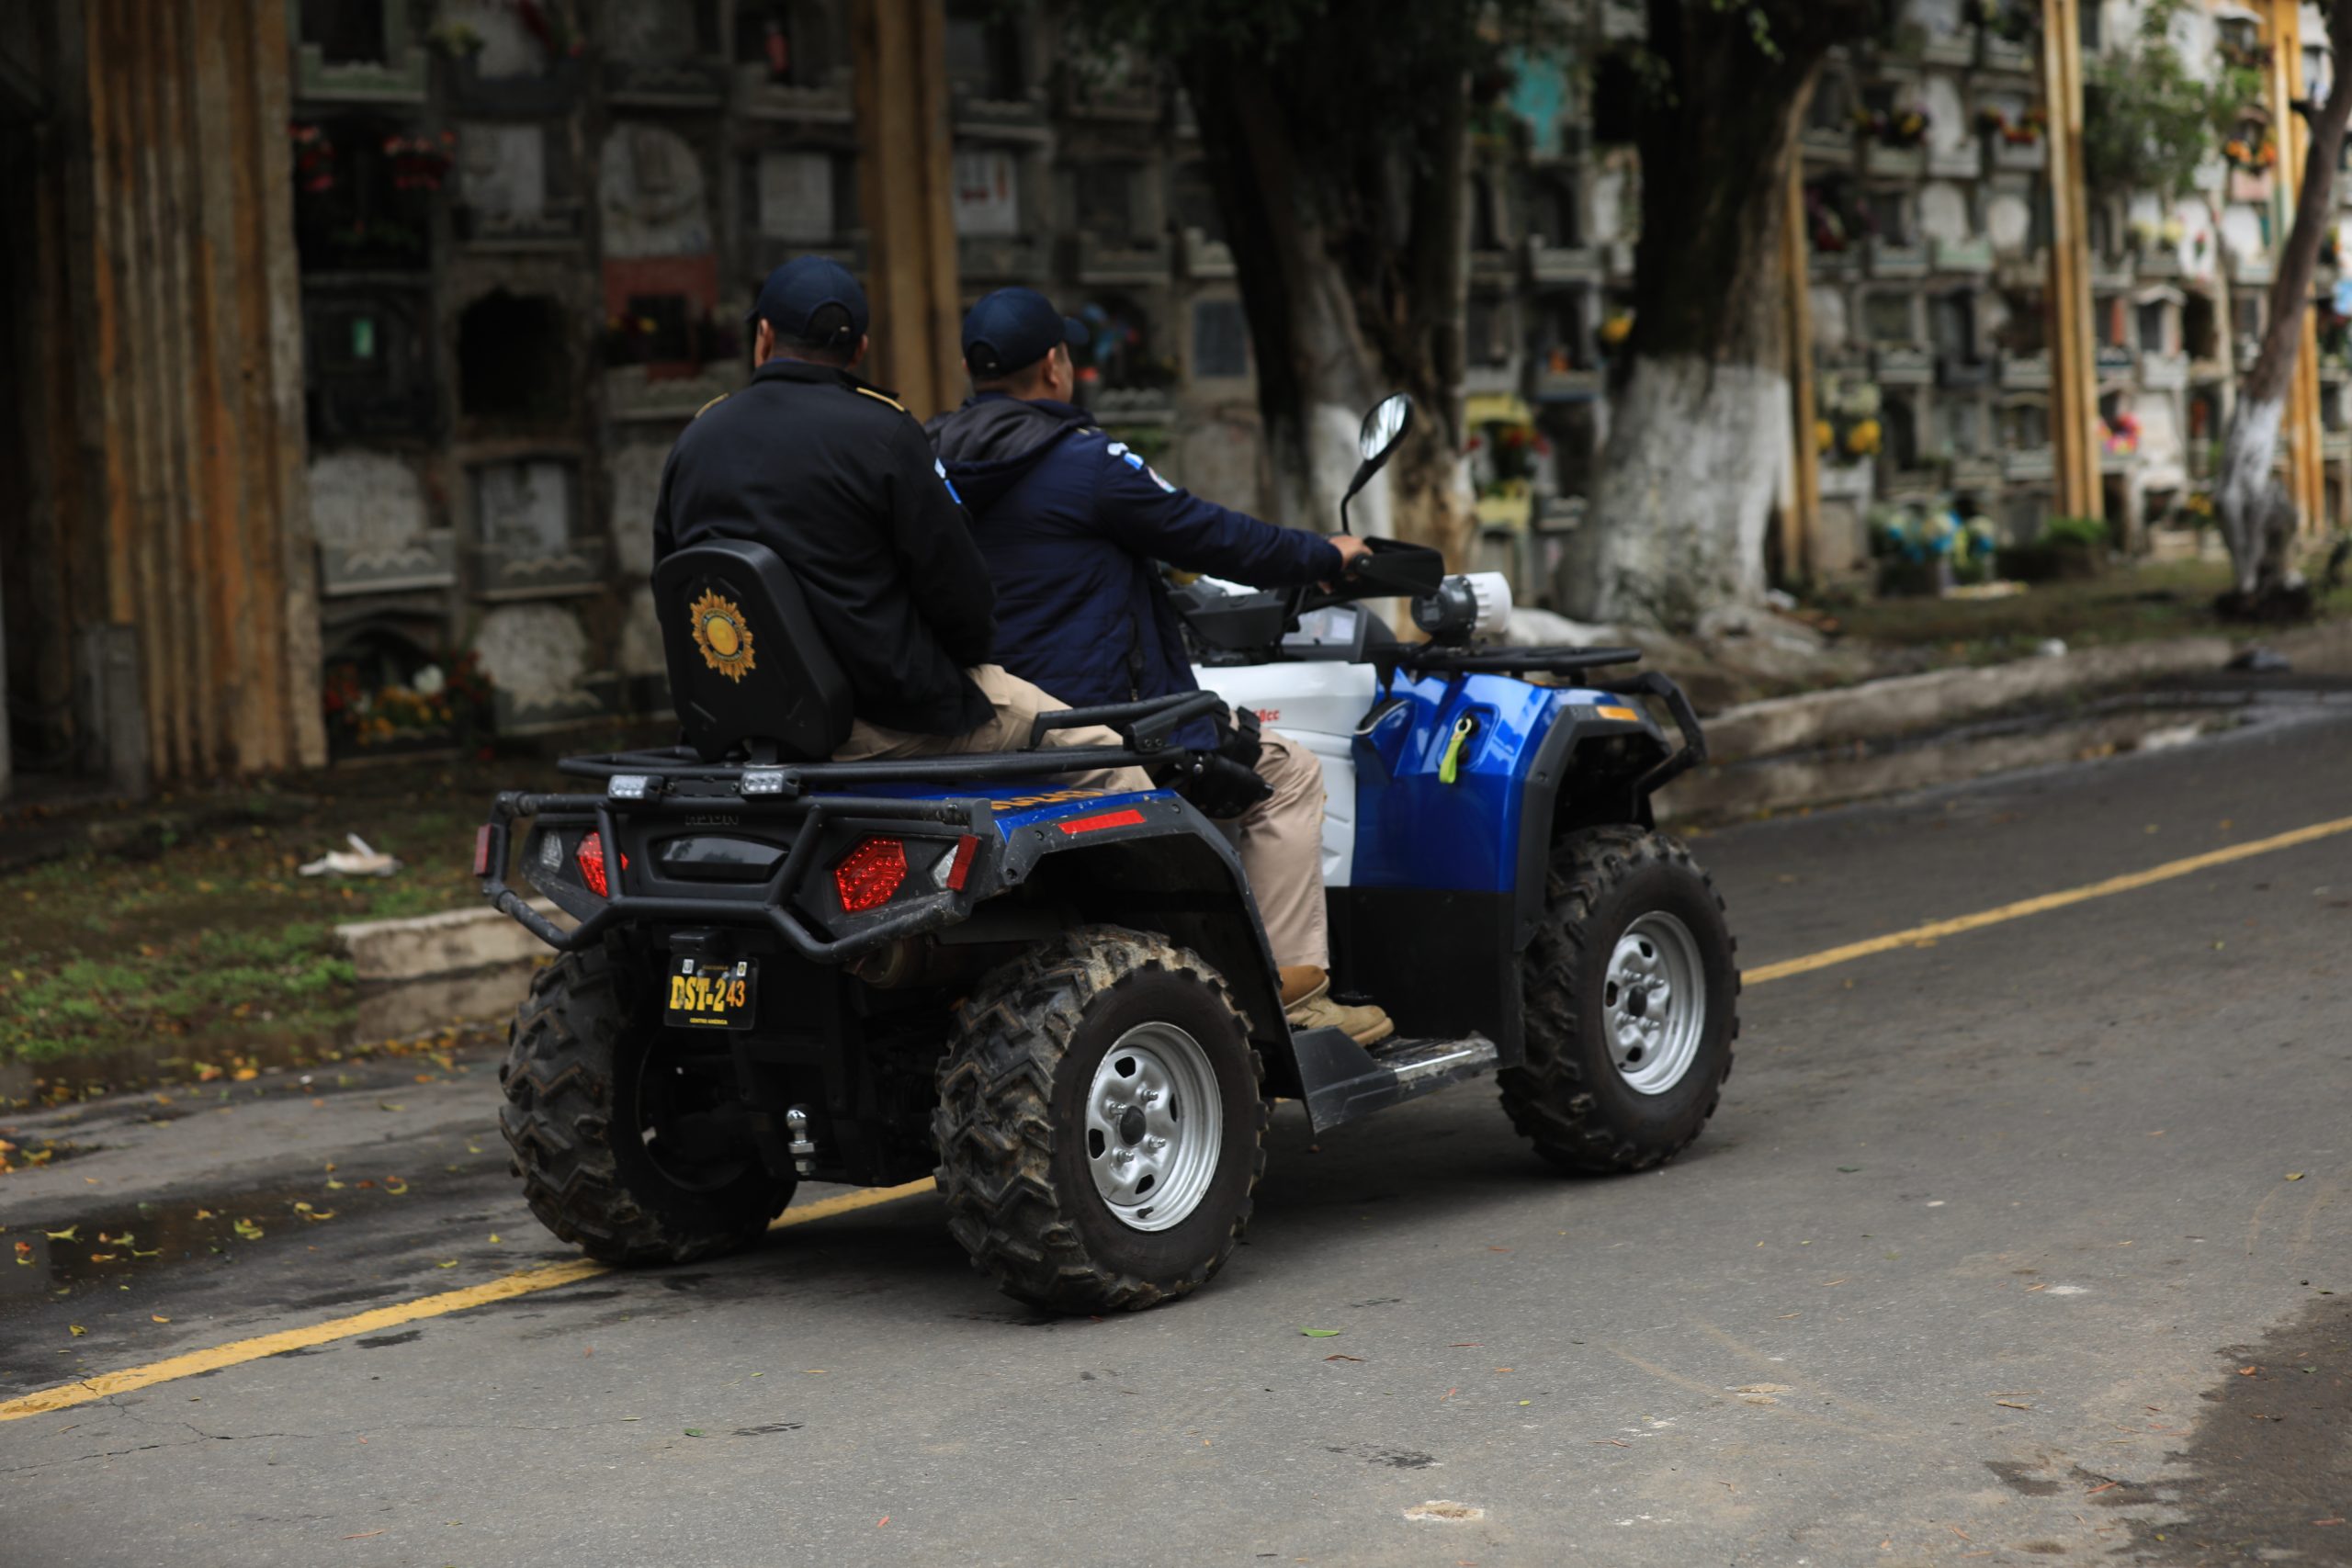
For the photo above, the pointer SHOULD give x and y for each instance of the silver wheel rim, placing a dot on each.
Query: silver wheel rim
(1154, 1122)
(1654, 1003)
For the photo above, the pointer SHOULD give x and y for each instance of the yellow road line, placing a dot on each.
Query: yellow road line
(237, 1352)
(1934, 930)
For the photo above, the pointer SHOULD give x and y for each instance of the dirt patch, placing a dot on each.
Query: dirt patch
(176, 942)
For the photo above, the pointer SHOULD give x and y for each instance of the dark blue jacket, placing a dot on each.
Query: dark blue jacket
(1071, 525)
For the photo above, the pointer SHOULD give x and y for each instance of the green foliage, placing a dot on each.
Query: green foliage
(2073, 533)
(2148, 123)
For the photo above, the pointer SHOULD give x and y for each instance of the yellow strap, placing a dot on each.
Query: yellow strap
(881, 397)
(1449, 768)
(710, 405)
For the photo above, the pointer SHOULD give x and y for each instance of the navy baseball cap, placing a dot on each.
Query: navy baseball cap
(1014, 328)
(811, 300)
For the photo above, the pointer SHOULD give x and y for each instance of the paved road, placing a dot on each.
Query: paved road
(1991, 1254)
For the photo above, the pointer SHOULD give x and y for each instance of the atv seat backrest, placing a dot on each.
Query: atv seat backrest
(749, 672)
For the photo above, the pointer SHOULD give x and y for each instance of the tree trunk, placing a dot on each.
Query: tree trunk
(2257, 519)
(1349, 298)
(1699, 437)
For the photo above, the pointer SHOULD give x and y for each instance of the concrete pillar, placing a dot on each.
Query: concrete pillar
(2074, 367)
(899, 51)
(2306, 477)
(1800, 517)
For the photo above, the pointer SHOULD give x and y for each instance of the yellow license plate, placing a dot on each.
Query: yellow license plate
(704, 994)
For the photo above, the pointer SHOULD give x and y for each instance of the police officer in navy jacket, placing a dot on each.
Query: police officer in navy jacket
(1074, 528)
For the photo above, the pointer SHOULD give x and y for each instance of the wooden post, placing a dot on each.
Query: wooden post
(2074, 366)
(899, 47)
(1801, 519)
(2306, 477)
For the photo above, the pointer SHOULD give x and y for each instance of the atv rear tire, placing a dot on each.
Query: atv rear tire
(1085, 1079)
(587, 1098)
(1629, 991)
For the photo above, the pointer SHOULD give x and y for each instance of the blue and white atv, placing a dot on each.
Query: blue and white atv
(1060, 1003)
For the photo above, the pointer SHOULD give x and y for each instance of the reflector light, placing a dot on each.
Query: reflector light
(956, 866)
(481, 851)
(870, 874)
(1126, 819)
(591, 856)
(1623, 715)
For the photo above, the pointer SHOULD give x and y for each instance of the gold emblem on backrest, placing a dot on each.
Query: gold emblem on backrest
(721, 633)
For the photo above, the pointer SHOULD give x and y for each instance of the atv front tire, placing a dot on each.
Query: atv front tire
(589, 1095)
(1630, 992)
(1100, 1122)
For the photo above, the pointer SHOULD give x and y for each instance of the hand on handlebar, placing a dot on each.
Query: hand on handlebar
(1352, 550)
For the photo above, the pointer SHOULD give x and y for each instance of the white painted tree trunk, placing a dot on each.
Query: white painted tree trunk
(1688, 480)
(2242, 499)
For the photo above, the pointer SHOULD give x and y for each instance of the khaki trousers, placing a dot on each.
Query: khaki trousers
(1280, 839)
(1017, 704)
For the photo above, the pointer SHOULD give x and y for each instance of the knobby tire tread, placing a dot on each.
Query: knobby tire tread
(995, 1130)
(558, 1079)
(1549, 1098)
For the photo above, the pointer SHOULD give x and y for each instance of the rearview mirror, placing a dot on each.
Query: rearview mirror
(1382, 428)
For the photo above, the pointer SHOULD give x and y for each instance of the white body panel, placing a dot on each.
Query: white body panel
(1318, 704)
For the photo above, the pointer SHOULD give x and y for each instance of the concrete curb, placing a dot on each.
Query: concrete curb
(1903, 705)
(445, 943)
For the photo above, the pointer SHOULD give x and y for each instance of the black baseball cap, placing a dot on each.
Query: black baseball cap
(810, 299)
(1014, 328)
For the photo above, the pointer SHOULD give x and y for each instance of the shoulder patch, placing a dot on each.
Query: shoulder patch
(881, 397)
(710, 405)
(1120, 450)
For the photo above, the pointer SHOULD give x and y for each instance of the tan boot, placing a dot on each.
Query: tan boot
(1307, 1004)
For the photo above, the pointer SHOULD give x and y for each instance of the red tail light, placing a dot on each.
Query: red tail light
(1126, 819)
(591, 856)
(481, 851)
(870, 874)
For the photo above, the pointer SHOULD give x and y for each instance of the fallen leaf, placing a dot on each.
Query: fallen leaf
(880, 1522)
(318, 1213)
(2248, 1371)
(494, 1235)
(1449, 1393)
(2012, 1404)
(696, 1432)
(395, 1186)
(71, 1232)
(76, 1330)
(2294, 1175)
(363, 1535)
(1343, 1358)
(1320, 1333)
(102, 1258)
(1848, 1170)
(155, 1317)
(452, 1263)
(388, 1105)
(1612, 1443)
(206, 1214)
(2097, 1490)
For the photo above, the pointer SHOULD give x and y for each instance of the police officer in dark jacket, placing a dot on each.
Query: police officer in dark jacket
(837, 479)
(1074, 528)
